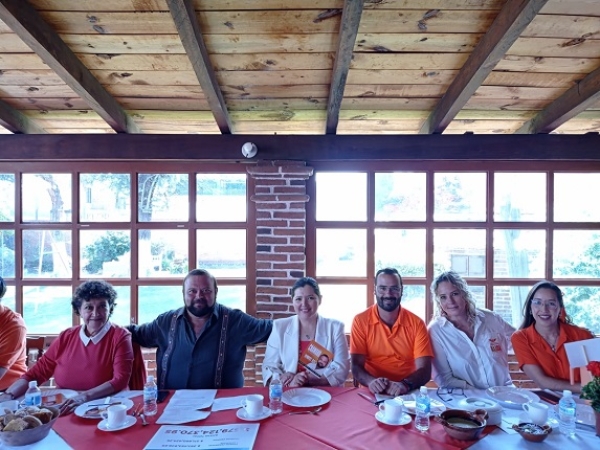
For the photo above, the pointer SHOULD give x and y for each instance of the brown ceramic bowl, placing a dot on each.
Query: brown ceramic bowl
(463, 425)
(26, 437)
(532, 432)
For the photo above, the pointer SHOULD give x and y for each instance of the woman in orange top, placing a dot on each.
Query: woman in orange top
(539, 342)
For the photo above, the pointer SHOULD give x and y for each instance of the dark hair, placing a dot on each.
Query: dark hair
(389, 271)
(306, 281)
(201, 273)
(459, 283)
(2, 287)
(528, 318)
(92, 289)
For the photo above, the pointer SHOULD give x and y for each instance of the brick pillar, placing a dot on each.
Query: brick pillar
(280, 201)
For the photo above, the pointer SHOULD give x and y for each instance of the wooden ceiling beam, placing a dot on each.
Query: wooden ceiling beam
(574, 101)
(17, 122)
(351, 15)
(510, 22)
(186, 22)
(28, 24)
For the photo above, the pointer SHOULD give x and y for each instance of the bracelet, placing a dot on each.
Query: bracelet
(408, 384)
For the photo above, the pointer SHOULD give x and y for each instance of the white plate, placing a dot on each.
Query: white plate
(242, 414)
(435, 407)
(404, 419)
(305, 397)
(129, 421)
(511, 397)
(84, 408)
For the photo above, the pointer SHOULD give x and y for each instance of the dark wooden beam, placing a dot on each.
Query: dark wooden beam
(17, 122)
(186, 21)
(199, 148)
(510, 22)
(351, 15)
(577, 99)
(26, 22)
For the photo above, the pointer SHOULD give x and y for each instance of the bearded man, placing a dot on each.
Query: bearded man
(389, 345)
(201, 345)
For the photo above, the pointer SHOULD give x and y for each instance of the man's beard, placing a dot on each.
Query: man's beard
(388, 308)
(200, 311)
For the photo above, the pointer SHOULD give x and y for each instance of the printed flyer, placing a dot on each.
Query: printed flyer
(230, 437)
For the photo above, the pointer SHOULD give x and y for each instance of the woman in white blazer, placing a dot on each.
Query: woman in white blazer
(292, 335)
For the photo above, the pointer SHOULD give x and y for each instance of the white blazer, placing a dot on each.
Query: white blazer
(283, 347)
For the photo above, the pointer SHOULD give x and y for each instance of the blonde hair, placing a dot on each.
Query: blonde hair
(459, 283)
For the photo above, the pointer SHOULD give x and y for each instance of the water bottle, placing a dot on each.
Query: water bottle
(33, 396)
(275, 394)
(423, 406)
(566, 413)
(150, 396)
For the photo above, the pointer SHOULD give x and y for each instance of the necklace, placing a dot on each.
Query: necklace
(551, 341)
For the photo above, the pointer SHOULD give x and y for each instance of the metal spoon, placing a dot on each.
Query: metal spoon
(312, 411)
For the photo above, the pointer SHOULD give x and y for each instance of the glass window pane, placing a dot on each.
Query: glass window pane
(508, 303)
(569, 203)
(163, 253)
(10, 300)
(7, 199)
(400, 196)
(519, 253)
(413, 299)
(343, 302)
(341, 252)
(460, 197)
(579, 302)
(105, 253)
(155, 300)
(46, 197)
(402, 249)
(232, 296)
(332, 205)
(221, 197)
(576, 254)
(47, 254)
(122, 313)
(222, 252)
(163, 197)
(7, 253)
(520, 197)
(460, 250)
(105, 197)
(47, 309)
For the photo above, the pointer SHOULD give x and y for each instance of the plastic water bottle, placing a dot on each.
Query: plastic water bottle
(275, 394)
(567, 413)
(423, 406)
(150, 396)
(33, 396)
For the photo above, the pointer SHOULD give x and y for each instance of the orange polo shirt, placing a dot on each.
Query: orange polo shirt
(390, 353)
(531, 348)
(13, 335)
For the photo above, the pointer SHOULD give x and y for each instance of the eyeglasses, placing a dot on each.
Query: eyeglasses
(391, 290)
(205, 291)
(449, 391)
(551, 304)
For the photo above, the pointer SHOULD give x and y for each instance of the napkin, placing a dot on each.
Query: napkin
(176, 415)
(228, 403)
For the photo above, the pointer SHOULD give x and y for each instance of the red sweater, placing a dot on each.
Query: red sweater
(75, 366)
(12, 346)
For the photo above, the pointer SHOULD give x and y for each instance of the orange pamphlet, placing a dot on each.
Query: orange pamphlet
(316, 358)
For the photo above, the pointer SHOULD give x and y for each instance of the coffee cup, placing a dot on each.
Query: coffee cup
(392, 410)
(253, 404)
(115, 416)
(538, 412)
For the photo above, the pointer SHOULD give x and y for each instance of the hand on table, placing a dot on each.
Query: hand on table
(286, 378)
(379, 385)
(5, 397)
(70, 404)
(395, 388)
(299, 380)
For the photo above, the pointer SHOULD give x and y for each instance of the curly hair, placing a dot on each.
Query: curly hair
(459, 283)
(528, 319)
(94, 289)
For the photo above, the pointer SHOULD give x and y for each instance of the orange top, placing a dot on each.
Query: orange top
(389, 353)
(13, 336)
(531, 348)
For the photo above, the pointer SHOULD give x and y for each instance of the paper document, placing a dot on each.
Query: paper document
(228, 403)
(198, 398)
(230, 437)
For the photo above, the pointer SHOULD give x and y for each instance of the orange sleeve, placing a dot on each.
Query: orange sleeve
(12, 342)
(523, 350)
(358, 338)
(422, 345)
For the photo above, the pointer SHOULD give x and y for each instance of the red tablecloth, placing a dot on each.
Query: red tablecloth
(346, 422)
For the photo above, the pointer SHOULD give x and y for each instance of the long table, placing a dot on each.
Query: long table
(346, 422)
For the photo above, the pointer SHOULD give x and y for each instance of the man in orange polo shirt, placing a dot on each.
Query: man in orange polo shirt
(389, 345)
(13, 335)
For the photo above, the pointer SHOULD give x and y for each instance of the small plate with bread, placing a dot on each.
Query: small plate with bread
(94, 409)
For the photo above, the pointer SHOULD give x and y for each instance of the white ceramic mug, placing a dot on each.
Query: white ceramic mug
(392, 410)
(115, 415)
(538, 412)
(253, 404)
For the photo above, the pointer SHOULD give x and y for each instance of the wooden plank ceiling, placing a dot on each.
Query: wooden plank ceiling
(300, 66)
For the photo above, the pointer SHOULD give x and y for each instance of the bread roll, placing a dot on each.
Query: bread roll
(17, 424)
(32, 422)
(45, 415)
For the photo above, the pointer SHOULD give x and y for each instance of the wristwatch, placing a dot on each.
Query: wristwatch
(408, 384)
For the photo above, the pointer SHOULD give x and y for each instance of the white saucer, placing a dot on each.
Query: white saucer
(404, 419)
(241, 414)
(128, 422)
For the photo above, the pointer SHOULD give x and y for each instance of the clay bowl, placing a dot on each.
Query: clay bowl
(29, 436)
(532, 432)
(463, 425)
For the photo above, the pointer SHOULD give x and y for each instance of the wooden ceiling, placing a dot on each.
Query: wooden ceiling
(300, 66)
